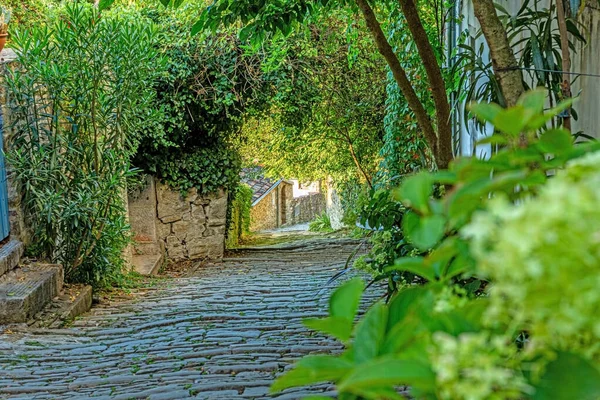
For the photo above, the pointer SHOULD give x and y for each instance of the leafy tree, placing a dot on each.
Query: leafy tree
(325, 118)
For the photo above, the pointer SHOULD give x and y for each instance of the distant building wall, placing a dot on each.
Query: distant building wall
(305, 208)
(269, 212)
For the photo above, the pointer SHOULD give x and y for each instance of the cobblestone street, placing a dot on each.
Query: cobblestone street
(221, 332)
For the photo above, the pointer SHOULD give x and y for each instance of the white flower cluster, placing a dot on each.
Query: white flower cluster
(543, 259)
(476, 366)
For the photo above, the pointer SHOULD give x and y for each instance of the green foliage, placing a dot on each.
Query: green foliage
(239, 225)
(507, 222)
(80, 96)
(208, 84)
(322, 223)
(325, 115)
(28, 13)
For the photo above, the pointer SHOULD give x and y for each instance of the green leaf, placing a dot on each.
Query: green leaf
(104, 4)
(534, 100)
(388, 372)
(423, 232)
(539, 121)
(340, 328)
(556, 141)
(244, 33)
(313, 369)
(569, 377)
(416, 265)
(485, 112)
(197, 27)
(370, 333)
(494, 139)
(416, 191)
(451, 322)
(345, 300)
(513, 120)
(406, 302)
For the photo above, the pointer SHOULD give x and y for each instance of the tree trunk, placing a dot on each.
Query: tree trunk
(361, 170)
(386, 50)
(504, 62)
(566, 58)
(436, 81)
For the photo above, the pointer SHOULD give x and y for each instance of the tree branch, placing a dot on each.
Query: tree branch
(436, 81)
(386, 50)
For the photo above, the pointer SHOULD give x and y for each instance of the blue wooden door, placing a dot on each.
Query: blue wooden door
(4, 222)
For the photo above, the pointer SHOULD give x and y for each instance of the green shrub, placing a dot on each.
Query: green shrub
(207, 85)
(530, 242)
(239, 225)
(82, 92)
(322, 223)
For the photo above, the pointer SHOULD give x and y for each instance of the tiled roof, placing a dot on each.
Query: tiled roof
(260, 185)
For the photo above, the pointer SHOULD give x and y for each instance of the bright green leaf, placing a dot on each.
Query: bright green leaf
(340, 328)
(370, 333)
(313, 369)
(534, 100)
(424, 232)
(416, 265)
(569, 377)
(388, 371)
(345, 299)
(104, 4)
(485, 112)
(416, 191)
(556, 141)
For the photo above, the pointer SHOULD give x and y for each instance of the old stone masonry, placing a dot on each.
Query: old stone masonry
(222, 332)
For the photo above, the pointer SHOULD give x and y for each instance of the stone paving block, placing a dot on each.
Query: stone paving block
(209, 335)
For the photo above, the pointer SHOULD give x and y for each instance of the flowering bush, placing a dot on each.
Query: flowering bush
(533, 245)
(543, 257)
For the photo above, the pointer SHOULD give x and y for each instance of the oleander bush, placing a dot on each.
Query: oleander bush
(82, 92)
(523, 225)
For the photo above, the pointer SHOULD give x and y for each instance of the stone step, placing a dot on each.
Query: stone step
(74, 300)
(10, 255)
(24, 291)
(147, 248)
(147, 264)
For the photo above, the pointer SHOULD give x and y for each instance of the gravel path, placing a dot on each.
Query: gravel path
(224, 332)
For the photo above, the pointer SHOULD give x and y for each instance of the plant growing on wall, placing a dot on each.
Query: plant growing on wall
(82, 91)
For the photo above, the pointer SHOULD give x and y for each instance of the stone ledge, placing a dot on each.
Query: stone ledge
(10, 255)
(71, 303)
(147, 264)
(26, 290)
(7, 56)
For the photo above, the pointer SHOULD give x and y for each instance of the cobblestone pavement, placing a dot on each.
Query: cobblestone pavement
(224, 332)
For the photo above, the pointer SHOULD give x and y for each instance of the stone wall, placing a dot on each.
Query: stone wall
(184, 227)
(305, 208)
(18, 227)
(263, 215)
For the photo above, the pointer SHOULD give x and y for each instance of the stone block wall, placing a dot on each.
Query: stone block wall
(184, 227)
(263, 215)
(305, 208)
(191, 226)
